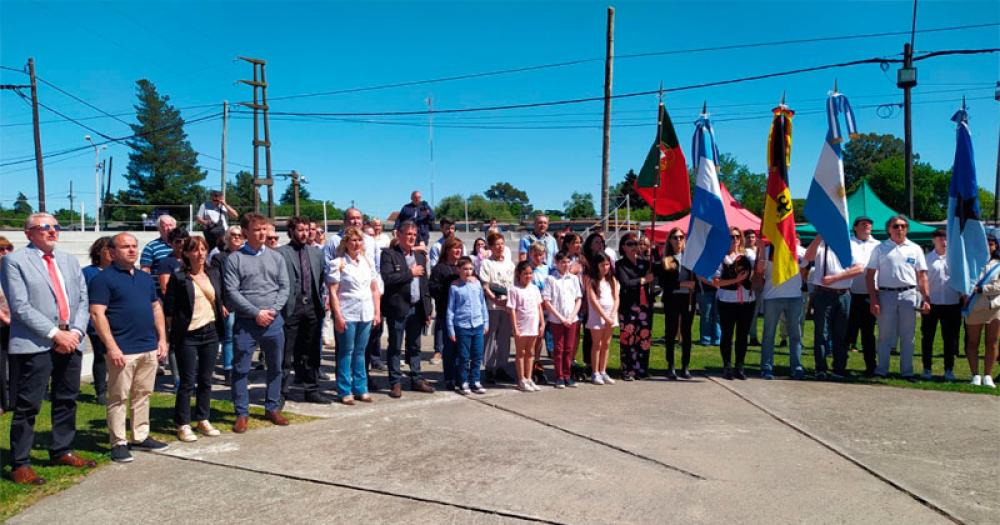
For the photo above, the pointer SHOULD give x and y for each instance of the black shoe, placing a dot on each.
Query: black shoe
(322, 376)
(316, 397)
(727, 374)
(685, 374)
(102, 398)
(740, 375)
(753, 342)
(227, 378)
(671, 375)
(120, 454)
(149, 445)
(783, 343)
(378, 365)
(910, 379)
(821, 376)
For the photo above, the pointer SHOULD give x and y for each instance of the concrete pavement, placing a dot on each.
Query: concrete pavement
(644, 452)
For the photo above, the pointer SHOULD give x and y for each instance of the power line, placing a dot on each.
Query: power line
(625, 56)
(97, 117)
(80, 100)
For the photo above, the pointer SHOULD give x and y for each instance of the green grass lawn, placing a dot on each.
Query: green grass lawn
(707, 358)
(92, 443)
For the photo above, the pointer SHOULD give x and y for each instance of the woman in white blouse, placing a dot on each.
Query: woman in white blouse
(497, 275)
(354, 303)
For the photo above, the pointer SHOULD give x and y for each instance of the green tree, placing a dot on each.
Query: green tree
(22, 207)
(480, 209)
(930, 192)
(986, 203)
(863, 153)
(288, 197)
(747, 187)
(239, 192)
(514, 199)
(627, 187)
(163, 167)
(580, 206)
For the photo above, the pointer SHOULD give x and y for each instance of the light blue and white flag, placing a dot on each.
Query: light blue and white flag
(826, 204)
(708, 233)
(967, 251)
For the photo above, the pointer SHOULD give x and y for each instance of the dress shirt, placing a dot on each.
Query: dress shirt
(862, 252)
(562, 292)
(937, 280)
(354, 278)
(466, 307)
(897, 264)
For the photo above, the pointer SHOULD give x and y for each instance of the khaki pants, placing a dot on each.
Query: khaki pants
(135, 381)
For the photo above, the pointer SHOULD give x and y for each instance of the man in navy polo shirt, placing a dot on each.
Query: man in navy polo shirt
(128, 318)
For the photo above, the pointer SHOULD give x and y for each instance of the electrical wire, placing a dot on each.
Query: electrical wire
(80, 100)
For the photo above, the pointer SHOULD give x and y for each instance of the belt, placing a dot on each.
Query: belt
(838, 291)
(63, 326)
(903, 289)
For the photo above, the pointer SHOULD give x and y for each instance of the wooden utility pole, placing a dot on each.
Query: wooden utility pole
(295, 188)
(225, 129)
(907, 84)
(71, 197)
(609, 61)
(259, 106)
(39, 169)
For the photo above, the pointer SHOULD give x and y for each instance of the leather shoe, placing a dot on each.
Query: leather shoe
(276, 418)
(421, 385)
(396, 391)
(241, 425)
(25, 475)
(72, 460)
(316, 397)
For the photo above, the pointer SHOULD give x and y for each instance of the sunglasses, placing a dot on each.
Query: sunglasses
(735, 236)
(46, 227)
(677, 238)
(631, 243)
(272, 238)
(6, 248)
(899, 226)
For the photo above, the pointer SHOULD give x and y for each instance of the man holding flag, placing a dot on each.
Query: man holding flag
(779, 219)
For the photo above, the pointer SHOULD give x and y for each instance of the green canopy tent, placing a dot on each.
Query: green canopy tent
(863, 201)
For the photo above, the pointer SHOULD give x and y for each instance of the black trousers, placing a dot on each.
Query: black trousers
(30, 375)
(679, 318)
(196, 359)
(100, 368)
(303, 334)
(950, 317)
(373, 352)
(861, 320)
(5, 397)
(738, 316)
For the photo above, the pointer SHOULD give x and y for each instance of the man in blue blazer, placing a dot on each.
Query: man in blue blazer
(48, 312)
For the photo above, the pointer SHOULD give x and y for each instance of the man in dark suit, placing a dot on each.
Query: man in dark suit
(48, 317)
(406, 305)
(421, 214)
(303, 312)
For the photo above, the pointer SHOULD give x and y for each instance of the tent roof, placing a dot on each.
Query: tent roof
(864, 201)
(736, 216)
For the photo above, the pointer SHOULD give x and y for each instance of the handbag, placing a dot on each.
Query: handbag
(498, 290)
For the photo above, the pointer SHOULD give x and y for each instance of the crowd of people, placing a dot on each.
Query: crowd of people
(184, 298)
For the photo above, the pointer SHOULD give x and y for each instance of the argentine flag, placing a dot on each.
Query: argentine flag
(826, 204)
(708, 233)
(967, 250)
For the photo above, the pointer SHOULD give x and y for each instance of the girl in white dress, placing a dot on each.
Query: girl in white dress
(525, 305)
(602, 315)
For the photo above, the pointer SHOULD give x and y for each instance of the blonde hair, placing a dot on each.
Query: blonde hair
(352, 232)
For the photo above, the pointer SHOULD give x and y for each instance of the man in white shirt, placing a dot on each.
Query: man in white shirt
(896, 294)
(861, 319)
(831, 301)
(945, 307)
(213, 217)
(784, 299)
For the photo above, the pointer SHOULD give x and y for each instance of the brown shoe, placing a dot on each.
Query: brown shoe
(276, 418)
(365, 398)
(347, 400)
(241, 425)
(421, 385)
(396, 391)
(72, 460)
(26, 476)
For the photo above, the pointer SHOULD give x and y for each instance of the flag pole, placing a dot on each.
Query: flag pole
(659, 174)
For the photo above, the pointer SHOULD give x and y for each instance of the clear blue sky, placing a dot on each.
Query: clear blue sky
(97, 50)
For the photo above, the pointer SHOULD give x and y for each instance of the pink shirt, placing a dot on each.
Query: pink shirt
(525, 302)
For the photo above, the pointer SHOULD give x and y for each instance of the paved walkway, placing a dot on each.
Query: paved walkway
(645, 452)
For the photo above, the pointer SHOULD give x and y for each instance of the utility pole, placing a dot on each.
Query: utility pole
(38, 136)
(259, 106)
(430, 137)
(906, 79)
(225, 128)
(71, 208)
(295, 187)
(107, 188)
(609, 61)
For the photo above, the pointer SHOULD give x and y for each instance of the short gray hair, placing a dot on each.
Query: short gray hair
(165, 218)
(35, 216)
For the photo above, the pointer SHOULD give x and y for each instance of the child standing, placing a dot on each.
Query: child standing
(525, 305)
(602, 316)
(468, 321)
(562, 298)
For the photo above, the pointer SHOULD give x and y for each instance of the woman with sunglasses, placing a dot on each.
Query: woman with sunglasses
(984, 312)
(678, 285)
(635, 308)
(232, 241)
(736, 303)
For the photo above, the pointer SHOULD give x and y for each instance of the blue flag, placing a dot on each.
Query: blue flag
(826, 204)
(967, 251)
(708, 234)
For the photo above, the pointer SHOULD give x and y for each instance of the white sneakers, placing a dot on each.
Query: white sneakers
(607, 379)
(207, 429)
(597, 379)
(185, 434)
(528, 385)
(977, 380)
(988, 381)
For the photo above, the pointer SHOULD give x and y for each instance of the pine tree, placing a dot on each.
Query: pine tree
(163, 167)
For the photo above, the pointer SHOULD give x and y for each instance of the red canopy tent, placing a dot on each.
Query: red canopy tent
(736, 216)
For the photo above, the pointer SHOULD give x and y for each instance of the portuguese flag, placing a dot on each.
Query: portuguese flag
(663, 179)
(779, 219)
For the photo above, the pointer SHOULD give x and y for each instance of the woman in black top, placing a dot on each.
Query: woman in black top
(442, 275)
(193, 303)
(635, 308)
(736, 303)
(678, 284)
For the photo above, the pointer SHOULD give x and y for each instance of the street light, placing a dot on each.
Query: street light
(144, 221)
(97, 181)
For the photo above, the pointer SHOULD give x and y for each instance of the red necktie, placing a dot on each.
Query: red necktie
(60, 295)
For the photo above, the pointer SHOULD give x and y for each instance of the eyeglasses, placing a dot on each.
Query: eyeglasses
(46, 227)
(631, 243)
(272, 238)
(899, 226)
(677, 238)
(6, 248)
(735, 236)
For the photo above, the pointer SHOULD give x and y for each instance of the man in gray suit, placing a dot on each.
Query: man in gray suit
(303, 312)
(48, 317)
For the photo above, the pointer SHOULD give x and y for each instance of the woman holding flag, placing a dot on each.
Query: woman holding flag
(983, 310)
(736, 303)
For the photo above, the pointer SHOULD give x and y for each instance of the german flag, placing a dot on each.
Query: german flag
(779, 219)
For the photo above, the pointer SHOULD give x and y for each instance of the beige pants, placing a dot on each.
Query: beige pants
(134, 381)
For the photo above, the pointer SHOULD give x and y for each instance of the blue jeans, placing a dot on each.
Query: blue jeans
(227, 343)
(352, 379)
(830, 313)
(247, 335)
(469, 343)
(410, 328)
(773, 308)
(708, 308)
(550, 342)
